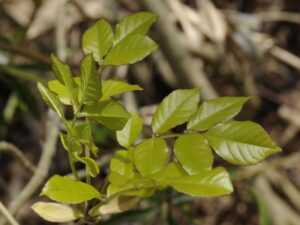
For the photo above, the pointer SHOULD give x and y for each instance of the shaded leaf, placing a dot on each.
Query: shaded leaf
(108, 113)
(55, 212)
(131, 49)
(131, 131)
(66, 190)
(206, 184)
(175, 109)
(50, 99)
(98, 39)
(91, 165)
(150, 156)
(216, 111)
(241, 143)
(115, 87)
(193, 153)
(137, 23)
(90, 88)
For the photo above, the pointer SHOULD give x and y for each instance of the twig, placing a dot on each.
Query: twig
(279, 16)
(7, 215)
(286, 57)
(48, 150)
(15, 151)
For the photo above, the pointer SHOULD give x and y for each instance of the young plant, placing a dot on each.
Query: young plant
(137, 171)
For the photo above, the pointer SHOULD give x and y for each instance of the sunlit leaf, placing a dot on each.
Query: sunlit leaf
(175, 109)
(150, 156)
(66, 190)
(131, 131)
(98, 39)
(91, 165)
(241, 143)
(115, 87)
(216, 111)
(207, 184)
(131, 49)
(55, 212)
(137, 23)
(90, 88)
(121, 163)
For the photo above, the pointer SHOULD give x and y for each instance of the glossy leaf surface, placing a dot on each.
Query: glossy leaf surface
(66, 190)
(150, 156)
(216, 111)
(241, 143)
(55, 212)
(131, 49)
(98, 39)
(194, 154)
(207, 184)
(175, 109)
(131, 131)
(138, 23)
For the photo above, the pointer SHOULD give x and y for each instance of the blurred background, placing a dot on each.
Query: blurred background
(228, 47)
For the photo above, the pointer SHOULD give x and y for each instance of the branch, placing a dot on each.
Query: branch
(15, 151)
(9, 218)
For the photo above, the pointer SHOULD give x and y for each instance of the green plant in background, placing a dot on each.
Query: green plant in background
(137, 171)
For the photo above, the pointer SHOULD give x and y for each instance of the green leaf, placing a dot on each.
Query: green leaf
(90, 89)
(109, 113)
(50, 99)
(175, 109)
(116, 205)
(131, 49)
(121, 163)
(98, 40)
(150, 156)
(241, 143)
(72, 146)
(131, 131)
(60, 90)
(206, 184)
(91, 165)
(194, 154)
(66, 190)
(115, 87)
(130, 190)
(55, 212)
(138, 23)
(216, 111)
(63, 73)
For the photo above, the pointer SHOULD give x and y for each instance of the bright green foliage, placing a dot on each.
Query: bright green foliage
(55, 212)
(131, 49)
(130, 131)
(108, 112)
(213, 183)
(216, 111)
(194, 154)
(175, 109)
(115, 87)
(140, 169)
(138, 23)
(150, 156)
(241, 143)
(98, 40)
(90, 88)
(65, 190)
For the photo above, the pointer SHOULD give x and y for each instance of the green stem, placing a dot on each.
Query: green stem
(72, 165)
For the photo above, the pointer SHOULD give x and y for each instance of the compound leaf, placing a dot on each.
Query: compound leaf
(130, 131)
(50, 99)
(108, 112)
(206, 184)
(131, 49)
(66, 190)
(241, 143)
(98, 40)
(55, 212)
(138, 23)
(175, 109)
(216, 111)
(115, 87)
(150, 156)
(90, 88)
(193, 153)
